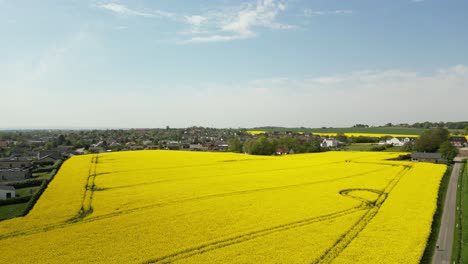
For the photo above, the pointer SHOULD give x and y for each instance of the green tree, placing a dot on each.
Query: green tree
(341, 137)
(407, 147)
(262, 146)
(61, 140)
(430, 141)
(448, 150)
(247, 147)
(234, 145)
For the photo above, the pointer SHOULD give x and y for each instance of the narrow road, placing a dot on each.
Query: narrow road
(443, 253)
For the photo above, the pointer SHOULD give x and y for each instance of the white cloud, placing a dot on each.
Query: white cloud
(309, 12)
(241, 24)
(216, 38)
(224, 24)
(124, 10)
(195, 22)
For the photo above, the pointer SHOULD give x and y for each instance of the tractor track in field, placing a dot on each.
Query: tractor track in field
(90, 188)
(203, 248)
(86, 203)
(220, 195)
(331, 253)
(83, 216)
(214, 176)
(346, 239)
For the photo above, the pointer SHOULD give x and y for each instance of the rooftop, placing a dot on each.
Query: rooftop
(7, 188)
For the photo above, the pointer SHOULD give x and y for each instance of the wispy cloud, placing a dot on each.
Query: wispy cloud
(223, 24)
(242, 23)
(124, 10)
(309, 12)
(195, 22)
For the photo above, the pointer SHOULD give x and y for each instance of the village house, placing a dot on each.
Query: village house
(458, 141)
(17, 174)
(427, 157)
(396, 141)
(7, 192)
(329, 143)
(11, 163)
(152, 147)
(134, 147)
(223, 146)
(197, 147)
(48, 156)
(281, 151)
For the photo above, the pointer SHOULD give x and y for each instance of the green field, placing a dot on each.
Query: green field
(12, 210)
(368, 147)
(460, 246)
(15, 210)
(28, 191)
(377, 130)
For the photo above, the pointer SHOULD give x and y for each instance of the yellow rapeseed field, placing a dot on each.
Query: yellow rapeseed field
(196, 207)
(259, 132)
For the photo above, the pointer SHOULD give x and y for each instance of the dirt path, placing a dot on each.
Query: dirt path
(443, 250)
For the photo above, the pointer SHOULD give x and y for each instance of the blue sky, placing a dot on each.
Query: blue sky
(118, 64)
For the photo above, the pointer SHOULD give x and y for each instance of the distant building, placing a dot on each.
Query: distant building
(48, 156)
(329, 143)
(281, 151)
(11, 163)
(17, 174)
(427, 157)
(197, 147)
(7, 192)
(223, 147)
(397, 141)
(96, 149)
(458, 141)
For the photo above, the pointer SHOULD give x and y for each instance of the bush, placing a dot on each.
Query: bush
(378, 148)
(15, 200)
(26, 183)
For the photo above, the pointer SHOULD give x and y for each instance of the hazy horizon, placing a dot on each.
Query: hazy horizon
(231, 64)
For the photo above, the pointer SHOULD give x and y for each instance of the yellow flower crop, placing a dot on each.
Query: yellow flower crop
(199, 207)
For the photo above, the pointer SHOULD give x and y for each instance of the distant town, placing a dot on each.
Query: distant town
(25, 153)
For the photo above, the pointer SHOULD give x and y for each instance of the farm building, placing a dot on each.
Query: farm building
(14, 174)
(48, 157)
(428, 157)
(11, 163)
(458, 141)
(329, 143)
(281, 151)
(397, 141)
(7, 192)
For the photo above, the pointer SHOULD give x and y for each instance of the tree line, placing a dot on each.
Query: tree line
(269, 146)
(434, 140)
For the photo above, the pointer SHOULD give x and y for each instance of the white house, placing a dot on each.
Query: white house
(397, 141)
(329, 143)
(7, 192)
